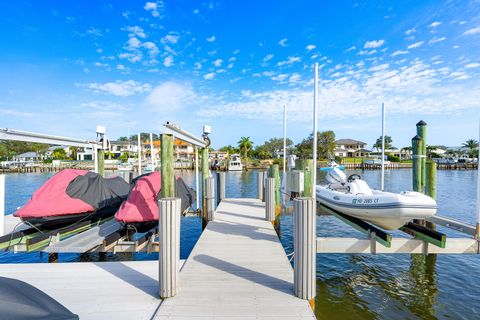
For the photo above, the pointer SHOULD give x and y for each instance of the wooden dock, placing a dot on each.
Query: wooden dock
(238, 269)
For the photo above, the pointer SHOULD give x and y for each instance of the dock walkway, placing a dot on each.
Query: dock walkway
(238, 269)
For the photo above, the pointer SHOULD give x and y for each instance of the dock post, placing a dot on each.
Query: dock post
(307, 178)
(168, 178)
(139, 154)
(210, 198)
(431, 185)
(304, 248)
(2, 204)
(270, 200)
(101, 161)
(274, 173)
(220, 187)
(169, 245)
(417, 146)
(205, 175)
(422, 133)
(260, 185)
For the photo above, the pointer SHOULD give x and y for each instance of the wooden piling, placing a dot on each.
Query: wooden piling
(431, 185)
(101, 161)
(417, 146)
(270, 200)
(274, 173)
(169, 210)
(422, 133)
(307, 178)
(139, 154)
(260, 185)
(220, 187)
(210, 198)
(205, 175)
(167, 177)
(304, 248)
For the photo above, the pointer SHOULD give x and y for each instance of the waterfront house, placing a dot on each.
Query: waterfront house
(351, 148)
(27, 156)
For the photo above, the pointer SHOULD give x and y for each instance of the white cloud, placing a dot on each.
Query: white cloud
(135, 31)
(435, 40)
(198, 66)
(280, 77)
(380, 67)
(133, 43)
(196, 11)
(295, 77)
(373, 44)
(414, 88)
(410, 31)
(152, 48)
(283, 42)
(211, 39)
(168, 61)
(351, 48)
(415, 45)
(472, 31)
(472, 65)
(155, 8)
(366, 52)
(434, 24)
(218, 63)
(209, 76)
(232, 59)
(289, 61)
(310, 47)
(117, 88)
(399, 52)
(120, 67)
(170, 38)
(170, 97)
(268, 57)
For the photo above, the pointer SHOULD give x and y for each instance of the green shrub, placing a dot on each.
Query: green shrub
(392, 158)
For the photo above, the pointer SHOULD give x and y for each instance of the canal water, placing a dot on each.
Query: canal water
(349, 286)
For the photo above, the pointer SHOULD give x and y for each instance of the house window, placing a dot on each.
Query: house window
(87, 157)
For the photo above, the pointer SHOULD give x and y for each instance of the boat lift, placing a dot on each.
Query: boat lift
(101, 235)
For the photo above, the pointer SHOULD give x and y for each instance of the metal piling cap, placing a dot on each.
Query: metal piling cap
(421, 123)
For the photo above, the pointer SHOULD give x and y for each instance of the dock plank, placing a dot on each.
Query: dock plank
(95, 290)
(237, 270)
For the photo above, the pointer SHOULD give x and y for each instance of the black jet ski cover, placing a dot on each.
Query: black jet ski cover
(185, 193)
(21, 301)
(97, 191)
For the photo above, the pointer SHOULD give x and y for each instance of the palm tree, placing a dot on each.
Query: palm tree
(471, 144)
(73, 152)
(245, 145)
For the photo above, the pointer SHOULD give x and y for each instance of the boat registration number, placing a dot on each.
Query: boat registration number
(365, 201)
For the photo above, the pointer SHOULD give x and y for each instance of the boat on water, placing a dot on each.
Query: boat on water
(235, 163)
(332, 164)
(71, 196)
(352, 196)
(140, 210)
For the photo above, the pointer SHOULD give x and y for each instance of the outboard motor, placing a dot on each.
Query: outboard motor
(336, 175)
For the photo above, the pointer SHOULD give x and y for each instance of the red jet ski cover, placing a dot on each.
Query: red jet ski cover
(141, 205)
(51, 198)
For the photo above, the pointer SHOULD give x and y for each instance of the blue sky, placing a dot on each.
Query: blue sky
(67, 66)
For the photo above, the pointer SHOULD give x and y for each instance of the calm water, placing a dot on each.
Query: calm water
(348, 286)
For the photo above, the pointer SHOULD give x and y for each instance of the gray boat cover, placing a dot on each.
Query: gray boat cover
(97, 191)
(21, 301)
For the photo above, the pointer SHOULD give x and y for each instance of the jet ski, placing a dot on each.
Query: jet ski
(140, 210)
(352, 196)
(71, 196)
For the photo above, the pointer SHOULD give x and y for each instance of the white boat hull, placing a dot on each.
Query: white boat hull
(384, 209)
